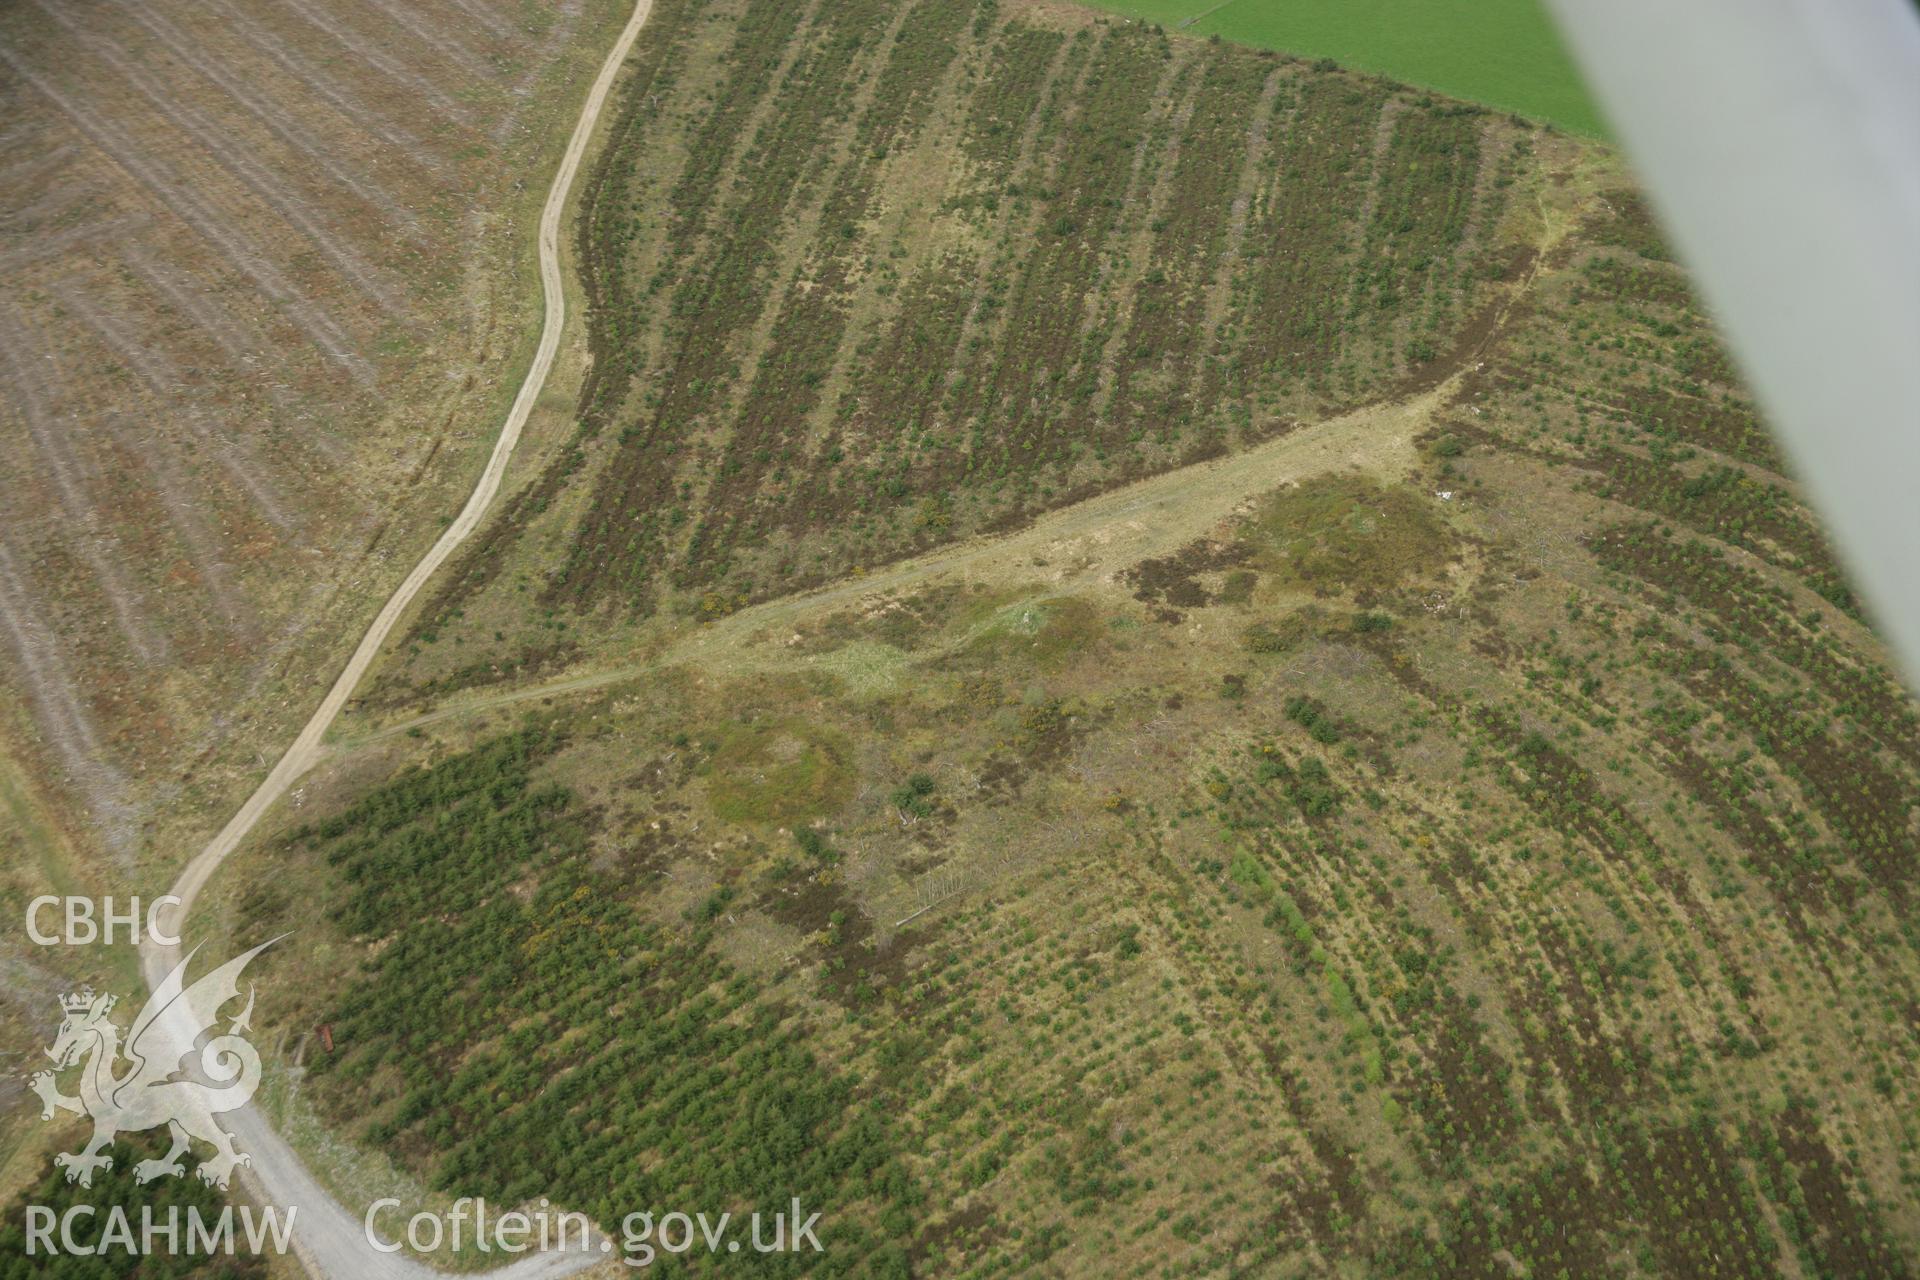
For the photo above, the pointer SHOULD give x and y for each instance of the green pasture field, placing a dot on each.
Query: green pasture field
(1505, 53)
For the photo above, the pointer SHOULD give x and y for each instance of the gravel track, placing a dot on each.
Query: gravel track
(328, 1237)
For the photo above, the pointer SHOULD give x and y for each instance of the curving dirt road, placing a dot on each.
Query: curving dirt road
(328, 1236)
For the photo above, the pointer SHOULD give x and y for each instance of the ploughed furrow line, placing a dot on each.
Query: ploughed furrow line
(1208, 305)
(151, 365)
(272, 117)
(832, 82)
(1746, 604)
(324, 86)
(21, 174)
(1035, 178)
(636, 490)
(748, 167)
(271, 189)
(51, 689)
(206, 221)
(1383, 134)
(1012, 207)
(775, 165)
(257, 366)
(1419, 224)
(1863, 800)
(1123, 262)
(1676, 389)
(1020, 75)
(368, 51)
(242, 345)
(487, 16)
(162, 377)
(919, 383)
(769, 431)
(1302, 236)
(720, 300)
(49, 683)
(1502, 157)
(904, 382)
(52, 203)
(1739, 508)
(1027, 390)
(444, 47)
(184, 503)
(33, 401)
(1151, 260)
(906, 387)
(45, 248)
(336, 1246)
(195, 424)
(800, 320)
(21, 137)
(760, 57)
(608, 225)
(561, 22)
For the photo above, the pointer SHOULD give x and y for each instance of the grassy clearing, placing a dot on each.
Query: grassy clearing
(1350, 532)
(1048, 632)
(1505, 53)
(781, 771)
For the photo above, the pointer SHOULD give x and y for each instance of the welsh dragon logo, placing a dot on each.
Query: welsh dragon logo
(153, 1089)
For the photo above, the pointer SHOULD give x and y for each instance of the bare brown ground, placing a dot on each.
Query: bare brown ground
(268, 275)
